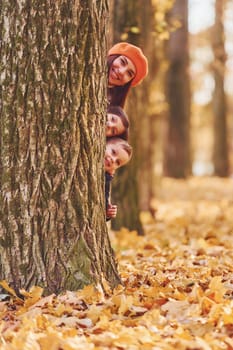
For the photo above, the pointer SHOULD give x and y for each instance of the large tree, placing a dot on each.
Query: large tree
(177, 151)
(52, 223)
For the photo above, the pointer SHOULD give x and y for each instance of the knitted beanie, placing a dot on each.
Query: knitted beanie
(136, 55)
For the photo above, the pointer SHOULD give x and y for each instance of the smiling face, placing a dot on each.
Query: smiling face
(115, 157)
(114, 125)
(122, 70)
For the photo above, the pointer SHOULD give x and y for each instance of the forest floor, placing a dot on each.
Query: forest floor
(178, 284)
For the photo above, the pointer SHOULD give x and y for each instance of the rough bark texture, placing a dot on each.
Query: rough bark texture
(177, 151)
(220, 153)
(52, 224)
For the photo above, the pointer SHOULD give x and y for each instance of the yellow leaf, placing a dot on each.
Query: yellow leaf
(228, 316)
(164, 35)
(134, 30)
(159, 16)
(206, 305)
(32, 296)
(123, 302)
(124, 36)
(10, 290)
(42, 322)
(183, 333)
(217, 289)
(89, 293)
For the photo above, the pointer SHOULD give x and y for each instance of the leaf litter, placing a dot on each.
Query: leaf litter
(177, 290)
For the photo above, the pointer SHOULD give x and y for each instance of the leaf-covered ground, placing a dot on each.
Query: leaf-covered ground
(178, 284)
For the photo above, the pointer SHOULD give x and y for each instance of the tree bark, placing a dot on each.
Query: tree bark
(52, 141)
(177, 149)
(220, 152)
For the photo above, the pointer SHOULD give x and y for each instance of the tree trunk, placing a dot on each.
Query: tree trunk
(133, 23)
(177, 148)
(52, 140)
(220, 153)
(145, 120)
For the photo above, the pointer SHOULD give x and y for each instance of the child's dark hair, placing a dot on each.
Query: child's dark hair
(117, 110)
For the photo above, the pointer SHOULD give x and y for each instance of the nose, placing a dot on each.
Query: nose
(122, 70)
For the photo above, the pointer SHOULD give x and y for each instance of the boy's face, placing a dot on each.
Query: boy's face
(114, 125)
(115, 157)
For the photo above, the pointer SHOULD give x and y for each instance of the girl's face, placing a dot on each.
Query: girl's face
(114, 125)
(122, 70)
(115, 157)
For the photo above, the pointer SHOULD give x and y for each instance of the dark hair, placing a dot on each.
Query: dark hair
(117, 94)
(117, 110)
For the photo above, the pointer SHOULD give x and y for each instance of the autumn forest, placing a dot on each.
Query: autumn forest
(159, 274)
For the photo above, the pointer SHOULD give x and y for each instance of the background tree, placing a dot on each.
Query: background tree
(220, 151)
(177, 147)
(133, 23)
(52, 224)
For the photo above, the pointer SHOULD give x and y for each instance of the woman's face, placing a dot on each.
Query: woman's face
(114, 125)
(121, 71)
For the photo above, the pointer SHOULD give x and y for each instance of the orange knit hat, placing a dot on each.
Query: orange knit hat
(136, 55)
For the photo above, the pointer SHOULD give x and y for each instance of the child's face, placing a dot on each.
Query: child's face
(114, 125)
(115, 157)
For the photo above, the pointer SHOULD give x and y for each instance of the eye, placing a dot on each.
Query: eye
(113, 119)
(130, 73)
(123, 61)
(113, 152)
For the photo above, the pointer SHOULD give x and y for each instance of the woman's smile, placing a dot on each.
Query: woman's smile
(121, 71)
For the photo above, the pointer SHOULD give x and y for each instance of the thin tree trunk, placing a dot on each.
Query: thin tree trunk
(177, 149)
(144, 119)
(220, 153)
(52, 224)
